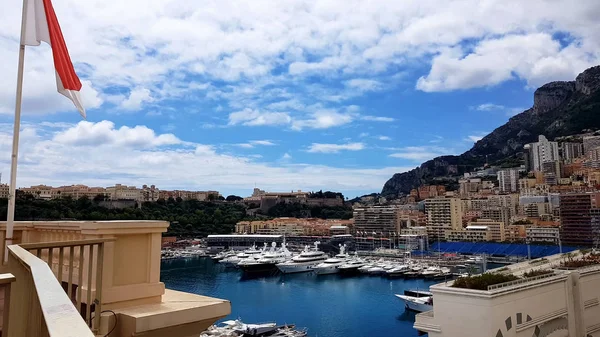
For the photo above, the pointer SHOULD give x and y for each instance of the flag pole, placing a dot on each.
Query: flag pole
(10, 218)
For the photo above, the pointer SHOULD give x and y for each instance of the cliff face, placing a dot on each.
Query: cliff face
(559, 109)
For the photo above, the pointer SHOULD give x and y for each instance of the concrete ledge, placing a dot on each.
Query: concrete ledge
(179, 314)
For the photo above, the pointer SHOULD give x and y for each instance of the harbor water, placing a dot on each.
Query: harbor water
(328, 305)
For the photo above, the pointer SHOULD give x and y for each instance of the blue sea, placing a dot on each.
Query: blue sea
(328, 305)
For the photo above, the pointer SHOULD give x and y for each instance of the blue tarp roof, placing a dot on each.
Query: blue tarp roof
(501, 249)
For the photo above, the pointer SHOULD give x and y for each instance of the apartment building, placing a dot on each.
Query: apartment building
(4, 191)
(496, 228)
(443, 214)
(570, 151)
(501, 214)
(576, 219)
(377, 219)
(540, 152)
(508, 180)
(470, 234)
(543, 234)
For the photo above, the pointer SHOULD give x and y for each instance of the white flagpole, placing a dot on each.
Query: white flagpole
(10, 218)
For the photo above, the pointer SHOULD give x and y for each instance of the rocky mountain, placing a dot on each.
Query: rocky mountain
(559, 109)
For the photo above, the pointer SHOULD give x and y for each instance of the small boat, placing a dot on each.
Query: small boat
(365, 268)
(417, 300)
(376, 270)
(266, 262)
(418, 304)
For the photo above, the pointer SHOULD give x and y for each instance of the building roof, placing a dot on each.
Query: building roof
(338, 227)
(477, 227)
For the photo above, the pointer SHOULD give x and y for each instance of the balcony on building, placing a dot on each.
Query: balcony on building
(560, 302)
(92, 278)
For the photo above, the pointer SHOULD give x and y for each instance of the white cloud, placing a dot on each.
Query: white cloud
(114, 43)
(384, 138)
(420, 153)
(363, 134)
(253, 143)
(377, 119)
(323, 119)
(489, 107)
(100, 154)
(252, 117)
(335, 148)
(88, 134)
(137, 97)
(286, 156)
(534, 57)
(364, 84)
(474, 138)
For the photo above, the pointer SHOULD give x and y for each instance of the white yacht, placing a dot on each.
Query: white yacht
(234, 260)
(351, 266)
(303, 262)
(331, 265)
(267, 261)
(417, 300)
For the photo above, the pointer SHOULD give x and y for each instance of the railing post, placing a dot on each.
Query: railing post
(88, 311)
(98, 301)
(80, 281)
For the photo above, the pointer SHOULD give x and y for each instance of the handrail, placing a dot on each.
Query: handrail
(519, 281)
(58, 244)
(67, 256)
(58, 315)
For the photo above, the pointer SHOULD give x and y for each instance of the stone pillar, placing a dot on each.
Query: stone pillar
(575, 306)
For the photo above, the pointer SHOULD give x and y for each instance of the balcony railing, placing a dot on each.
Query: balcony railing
(40, 307)
(50, 306)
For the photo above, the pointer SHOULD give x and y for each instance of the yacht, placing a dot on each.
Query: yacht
(351, 266)
(397, 271)
(266, 262)
(222, 255)
(331, 265)
(417, 300)
(235, 259)
(303, 262)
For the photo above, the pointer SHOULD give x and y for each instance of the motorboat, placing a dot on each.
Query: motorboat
(303, 262)
(237, 328)
(351, 266)
(233, 261)
(417, 300)
(331, 265)
(376, 270)
(430, 271)
(268, 261)
(397, 271)
(365, 268)
(222, 255)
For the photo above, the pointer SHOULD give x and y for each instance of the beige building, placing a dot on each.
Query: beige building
(496, 228)
(4, 191)
(443, 214)
(470, 234)
(377, 219)
(560, 303)
(543, 234)
(123, 192)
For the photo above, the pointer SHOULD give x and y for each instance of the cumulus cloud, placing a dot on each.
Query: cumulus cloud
(137, 97)
(335, 148)
(228, 46)
(384, 138)
(101, 154)
(105, 133)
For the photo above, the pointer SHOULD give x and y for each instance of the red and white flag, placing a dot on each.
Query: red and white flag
(40, 24)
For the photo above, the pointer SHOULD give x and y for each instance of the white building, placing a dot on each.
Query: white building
(560, 303)
(541, 152)
(508, 180)
(543, 234)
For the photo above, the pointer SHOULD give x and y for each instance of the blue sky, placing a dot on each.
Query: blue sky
(332, 95)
